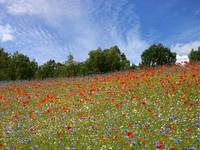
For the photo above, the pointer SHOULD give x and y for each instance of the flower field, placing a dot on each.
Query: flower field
(156, 108)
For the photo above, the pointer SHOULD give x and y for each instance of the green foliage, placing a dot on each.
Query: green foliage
(21, 67)
(71, 66)
(194, 55)
(70, 60)
(61, 70)
(96, 61)
(112, 59)
(51, 69)
(125, 63)
(106, 60)
(82, 69)
(157, 55)
(4, 65)
(16, 66)
(135, 67)
(47, 70)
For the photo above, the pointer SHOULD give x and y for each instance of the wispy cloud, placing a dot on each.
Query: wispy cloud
(197, 12)
(6, 33)
(51, 10)
(191, 34)
(135, 45)
(118, 23)
(183, 49)
(45, 29)
(57, 27)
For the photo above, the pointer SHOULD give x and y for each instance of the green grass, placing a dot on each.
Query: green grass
(145, 109)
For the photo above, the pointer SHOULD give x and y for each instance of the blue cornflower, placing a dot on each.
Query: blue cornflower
(197, 125)
(198, 139)
(29, 139)
(133, 143)
(126, 130)
(170, 118)
(198, 115)
(127, 137)
(73, 147)
(177, 140)
(192, 148)
(30, 148)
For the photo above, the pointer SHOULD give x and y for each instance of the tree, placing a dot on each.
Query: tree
(48, 70)
(71, 66)
(96, 61)
(82, 69)
(106, 60)
(21, 68)
(125, 63)
(194, 55)
(157, 55)
(4, 65)
(70, 60)
(135, 67)
(112, 59)
(61, 70)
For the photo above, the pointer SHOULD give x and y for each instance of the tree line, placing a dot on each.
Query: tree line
(18, 66)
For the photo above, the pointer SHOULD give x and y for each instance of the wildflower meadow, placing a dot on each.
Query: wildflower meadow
(149, 109)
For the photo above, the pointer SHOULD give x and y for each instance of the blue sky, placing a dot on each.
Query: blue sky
(51, 29)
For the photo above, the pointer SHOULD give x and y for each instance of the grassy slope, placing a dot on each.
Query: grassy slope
(132, 110)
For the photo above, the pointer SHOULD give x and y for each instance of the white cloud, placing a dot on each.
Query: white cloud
(117, 29)
(76, 26)
(6, 33)
(185, 48)
(20, 7)
(2, 1)
(51, 10)
(134, 45)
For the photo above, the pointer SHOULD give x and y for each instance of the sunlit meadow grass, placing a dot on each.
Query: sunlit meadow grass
(148, 109)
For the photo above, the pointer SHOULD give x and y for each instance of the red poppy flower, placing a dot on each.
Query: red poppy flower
(130, 134)
(143, 102)
(48, 110)
(189, 129)
(69, 128)
(160, 146)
